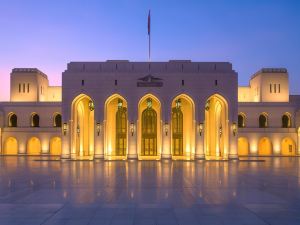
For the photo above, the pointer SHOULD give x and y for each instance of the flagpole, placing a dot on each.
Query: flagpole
(149, 36)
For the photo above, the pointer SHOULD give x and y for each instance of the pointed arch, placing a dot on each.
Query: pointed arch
(35, 120)
(12, 120)
(243, 146)
(55, 146)
(286, 121)
(82, 127)
(216, 127)
(183, 126)
(149, 127)
(264, 147)
(116, 127)
(34, 146)
(57, 120)
(10, 146)
(288, 147)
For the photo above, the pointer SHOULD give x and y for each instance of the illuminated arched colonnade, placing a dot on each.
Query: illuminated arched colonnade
(150, 128)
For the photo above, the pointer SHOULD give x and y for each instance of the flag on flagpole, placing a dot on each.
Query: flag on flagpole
(149, 23)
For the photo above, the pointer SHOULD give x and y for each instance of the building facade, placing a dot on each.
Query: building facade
(149, 111)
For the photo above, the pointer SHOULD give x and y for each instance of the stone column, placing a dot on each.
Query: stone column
(200, 141)
(99, 138)
(132, 141)
(166, 141)
(66, 140)
(233, 151)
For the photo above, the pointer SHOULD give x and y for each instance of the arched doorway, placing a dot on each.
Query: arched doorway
(115, 127)
(182, 127)
(216, 128)
(264, 147)
(149, 127)
(243, 146)
(83, 127)
(11, 146)
(55, 146)
(33, 146)
(288, 147)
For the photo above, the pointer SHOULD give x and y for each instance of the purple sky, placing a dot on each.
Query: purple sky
(50, 33)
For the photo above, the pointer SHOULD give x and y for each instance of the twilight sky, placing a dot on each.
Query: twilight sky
(250, 34)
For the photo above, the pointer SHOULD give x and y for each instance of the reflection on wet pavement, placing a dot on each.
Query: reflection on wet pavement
(149, 192)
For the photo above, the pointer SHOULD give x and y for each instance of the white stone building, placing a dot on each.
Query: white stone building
(178, 109)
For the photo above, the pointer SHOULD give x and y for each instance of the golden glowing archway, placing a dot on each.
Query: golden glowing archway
(149, 127)
(182, 127)
(243, 146)
(55, 146)
(11, 146)
(288, 147)
(216, 128)
(34, 146)
(116, 125)
(264, 147)
(83, 127)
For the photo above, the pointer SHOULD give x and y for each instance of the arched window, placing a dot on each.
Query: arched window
(35, 120)
(241, 120)
(263, 121)
(286, 121)
(121, 129)
(177, 129)
(57, 120)
(12, 120)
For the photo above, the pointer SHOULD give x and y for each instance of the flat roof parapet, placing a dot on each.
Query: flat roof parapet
(170, 66)
(269, 70)
(28, 70)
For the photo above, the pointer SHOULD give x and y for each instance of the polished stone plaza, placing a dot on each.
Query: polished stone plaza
(34, 191)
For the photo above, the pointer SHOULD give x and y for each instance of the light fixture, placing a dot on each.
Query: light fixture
(234, 129)
(200, 128)
(78, 129)
(166, 128)
(98, 127)
(91, 106)
(65, 128)
(132, 129)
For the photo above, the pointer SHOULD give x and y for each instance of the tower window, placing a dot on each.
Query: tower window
(278, 88)
(182, 82)
(23, 88)
(116, 82)
(28, 88)
(270, 88)
(19, 88)
(216, 82)
(82, 82)
(274, 88)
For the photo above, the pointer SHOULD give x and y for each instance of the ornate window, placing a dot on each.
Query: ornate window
(35, 120)
(286, 121)
(177, 129)
(149, 130)
(121, 129)
(263, 121)
(57, 120)
(241, 120)
(12, 120)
